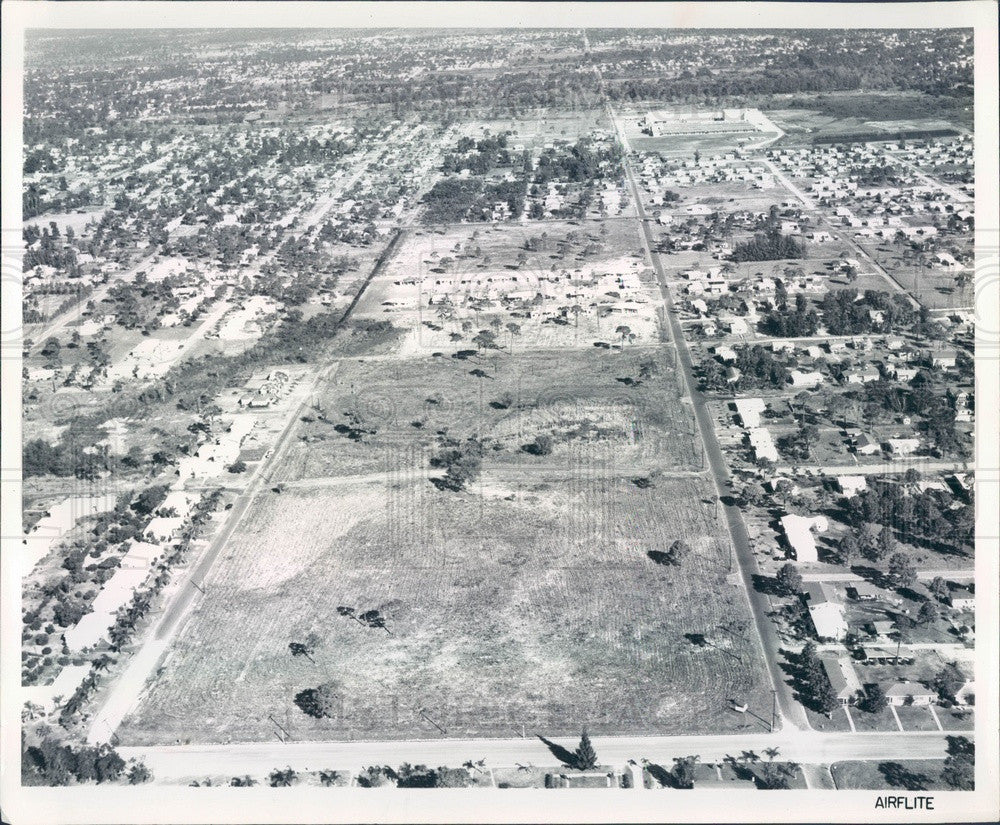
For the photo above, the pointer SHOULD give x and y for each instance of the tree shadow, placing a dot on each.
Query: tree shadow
(871, 575)
(899, 776)
(660, 557)
(697, 639)
(661, 775)
(567, 757)
(767, 584)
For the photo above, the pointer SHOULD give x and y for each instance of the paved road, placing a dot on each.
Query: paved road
(172, 762)
(853, 577)
(897, 465)
(129, 686)
(60, 322)
(790, 710)
(838, 232)
(955, 193)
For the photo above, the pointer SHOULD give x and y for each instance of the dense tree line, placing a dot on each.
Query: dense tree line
(876, 311)
(769, 246)
(51, 762)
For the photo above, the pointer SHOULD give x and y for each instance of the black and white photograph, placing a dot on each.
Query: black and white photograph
(551, 407)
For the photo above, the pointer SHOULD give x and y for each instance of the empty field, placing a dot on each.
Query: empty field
(534, 604)
(619, 408)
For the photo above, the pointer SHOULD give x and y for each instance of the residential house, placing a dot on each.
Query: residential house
(843, 678)
(805, 379)
(910, 693)
(851, 485)
(748, 411)
(798, 532)
(826, 611)
(962, 599)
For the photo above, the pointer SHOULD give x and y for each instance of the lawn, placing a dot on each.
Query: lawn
(911, 774)
(543, 611)
(881, 721)
(957, 719)
(916, 718)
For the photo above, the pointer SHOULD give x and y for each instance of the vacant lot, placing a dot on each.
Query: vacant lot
(534, 605)
(617, 408)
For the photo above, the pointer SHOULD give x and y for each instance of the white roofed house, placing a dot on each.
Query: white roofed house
(843, 678)
(748, 411)
(826, 611)
(799, 531)
(805, 379)
(164, 528)
(851, 485)
(910, 693)
(903, 446)
(725, 354)
(762, 444)
(865, 445)
(944, 357)
(962, 599)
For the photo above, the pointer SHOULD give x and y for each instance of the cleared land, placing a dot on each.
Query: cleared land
(617, 408)
(524, 604)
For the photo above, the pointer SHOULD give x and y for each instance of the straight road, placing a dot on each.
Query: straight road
(173, 762)
(790, 710)
(923, 575)
(60, 322)
(837, 232)
(896, 466)
(129, 686)
(953, 192)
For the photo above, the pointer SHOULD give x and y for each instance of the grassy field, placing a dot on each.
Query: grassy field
(534, 604)
(912, 774)
(595, 404)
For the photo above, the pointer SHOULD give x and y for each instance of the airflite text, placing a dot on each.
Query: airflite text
(906, 803)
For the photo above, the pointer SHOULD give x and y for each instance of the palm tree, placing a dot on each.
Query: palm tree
(624, 332)
(327, 778)
(282, 778)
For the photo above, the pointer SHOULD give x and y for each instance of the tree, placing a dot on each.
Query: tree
(542, 445)
(928, 613)
(824, 695)
(790, 579)
(282, 778)
(902, 573)
(873, 700)
(327, 778)
(377, 776)
(939, 589)
(238, 467)
(948, 681)
(677, 551)
(320, 702)
(776, 775)
(624, 332)
(847, 549)
(682, 773)
(960, 765)
(585, 757)
(245, 781)
(138, 773)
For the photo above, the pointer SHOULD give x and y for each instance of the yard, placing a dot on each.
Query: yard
(533, 605)
(910, 775)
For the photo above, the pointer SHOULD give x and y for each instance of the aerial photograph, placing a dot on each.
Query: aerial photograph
(498, 409)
